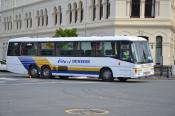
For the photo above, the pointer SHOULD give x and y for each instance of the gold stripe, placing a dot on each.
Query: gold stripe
(41, 61)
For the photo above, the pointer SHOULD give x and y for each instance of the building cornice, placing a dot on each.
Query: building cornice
(23, 6)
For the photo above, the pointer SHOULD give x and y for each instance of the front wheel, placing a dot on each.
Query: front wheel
(33, 71)
(106, 75)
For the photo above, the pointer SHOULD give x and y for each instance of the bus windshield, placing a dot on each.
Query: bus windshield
(141, 52)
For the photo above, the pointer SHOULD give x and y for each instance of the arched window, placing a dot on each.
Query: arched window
(108, 9)
(30, 20)
(55, 15)
(60, 14)
(26, 20)
(38, 19)
(135, 8)
(81, 10)
(70, 13)
(20, 22)
(159, 58)
(101, 9)
(46, 17)
(42, 17)
(17, 22)
(75, 12)
(149, 8)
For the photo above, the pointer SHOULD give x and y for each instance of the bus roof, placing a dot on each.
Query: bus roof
(93, 38)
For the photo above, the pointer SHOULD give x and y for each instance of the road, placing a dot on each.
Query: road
(21, 96)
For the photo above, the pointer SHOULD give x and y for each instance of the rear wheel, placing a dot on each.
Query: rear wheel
(106, 74)
(33, 71)
(46, 72)
(122, 79)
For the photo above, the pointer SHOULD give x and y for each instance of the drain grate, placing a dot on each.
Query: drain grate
(87, 111)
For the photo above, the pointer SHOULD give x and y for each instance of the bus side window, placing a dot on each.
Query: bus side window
(14, 49)
(47, 49)
(65, 49)
(109, 49)
(29, 49)
(86, 48)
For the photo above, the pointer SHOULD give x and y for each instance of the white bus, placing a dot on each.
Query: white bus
(107, 58)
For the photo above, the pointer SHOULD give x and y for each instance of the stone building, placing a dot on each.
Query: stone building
(151, 19)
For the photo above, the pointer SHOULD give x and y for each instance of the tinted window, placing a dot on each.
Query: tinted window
(47, 49)
(14, 49)
(65, 49)
(110, 49)
(29, 49)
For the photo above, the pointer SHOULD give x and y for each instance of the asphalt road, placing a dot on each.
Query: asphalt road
(21, 96)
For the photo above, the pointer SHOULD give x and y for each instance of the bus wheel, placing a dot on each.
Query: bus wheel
(33, 71)
(106, 75)
(46, 72)
(122, 79)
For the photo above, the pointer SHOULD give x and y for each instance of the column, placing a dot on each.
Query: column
(97, 12)
(142, 9)
(104, 2)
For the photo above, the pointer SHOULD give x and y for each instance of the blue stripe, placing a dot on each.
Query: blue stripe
(26, 61)
(77, 72)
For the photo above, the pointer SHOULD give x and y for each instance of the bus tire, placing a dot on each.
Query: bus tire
(33, 71)
(121, 79)
(106, 75)
(46, 72)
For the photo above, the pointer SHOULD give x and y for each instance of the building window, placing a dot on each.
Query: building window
(30, 20)
(149, 8)
(75, 12)
(159, 50)
(42, 17)
(26, 20)
(135, 8)
(70, 13)
(46, 17)
(60, 15)
(38, 19)
(81, 11)
(55, 15)
(108, 9)
(101, 9)
(20, 22)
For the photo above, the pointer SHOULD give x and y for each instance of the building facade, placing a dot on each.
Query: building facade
(151, 19)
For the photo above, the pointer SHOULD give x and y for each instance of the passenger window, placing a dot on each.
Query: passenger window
(65, 49)
(86, 48)
(109, 49)
(29, 49)
(47, 49)
(14, 49)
